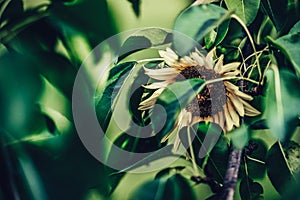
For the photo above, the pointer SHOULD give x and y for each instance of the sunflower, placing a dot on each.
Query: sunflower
(221, 102)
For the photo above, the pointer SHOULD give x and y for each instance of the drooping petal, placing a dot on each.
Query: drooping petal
(234, 116)
(228, 120)
(221, 119)
(232, 73)
(216, 118)
(249, 110)
(235, 89)
(230, 86)
(161, 74)
(243, 95)
(238, 105)
(149, 103)
(157, 85)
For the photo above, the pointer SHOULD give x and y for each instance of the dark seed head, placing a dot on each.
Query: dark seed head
(202, 105)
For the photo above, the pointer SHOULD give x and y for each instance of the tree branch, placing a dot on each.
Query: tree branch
(231, 176)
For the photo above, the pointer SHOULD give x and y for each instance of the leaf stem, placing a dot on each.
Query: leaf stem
(196, 173)
(251, 42)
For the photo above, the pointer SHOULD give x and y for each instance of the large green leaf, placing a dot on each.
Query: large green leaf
(194, 23)
(282, 165)
(174, 187)
(173, 99)
(246, 10)
(283, 15)
(217, 159)
(144, 39)
(289, 45)
(116, 77)
(282, 100)
(204, 137)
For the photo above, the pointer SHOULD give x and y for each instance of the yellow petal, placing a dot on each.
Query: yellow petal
(249, 110)
(168, 54)
(176, 142)
(216, 119)
(229, 67)
(243, 95)
(235, 89)
(157, 85)
(234, 116)
(238, 105)
(161, 74)
(232, 74)
(196, 57)
(219, 64)
(228, 120)
(231, 85)
(149, 103)
(221, 119)
(187, 61)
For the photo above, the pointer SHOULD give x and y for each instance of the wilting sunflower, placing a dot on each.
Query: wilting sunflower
(220, 102)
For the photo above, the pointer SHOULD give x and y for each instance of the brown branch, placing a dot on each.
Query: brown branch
(231, 176)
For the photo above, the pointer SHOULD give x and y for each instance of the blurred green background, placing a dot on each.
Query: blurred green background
(43, 43)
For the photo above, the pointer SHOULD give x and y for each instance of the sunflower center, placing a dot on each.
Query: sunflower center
(202, 105)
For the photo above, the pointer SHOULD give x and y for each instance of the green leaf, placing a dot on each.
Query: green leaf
(246, 10)
(194, 23)
(250, 190)
(144, 39)
(210, 38)
(134, 98)
(175, 187)
(138, 144)
(259, 125)
(222, 31)
(239, 137)
(282, 99)
(279, 168)
(171, 101)
(167, 171)
(115, 79)
(217, 159)
(204, 136)
(295, 29)
(290, 47)
(283, 15)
